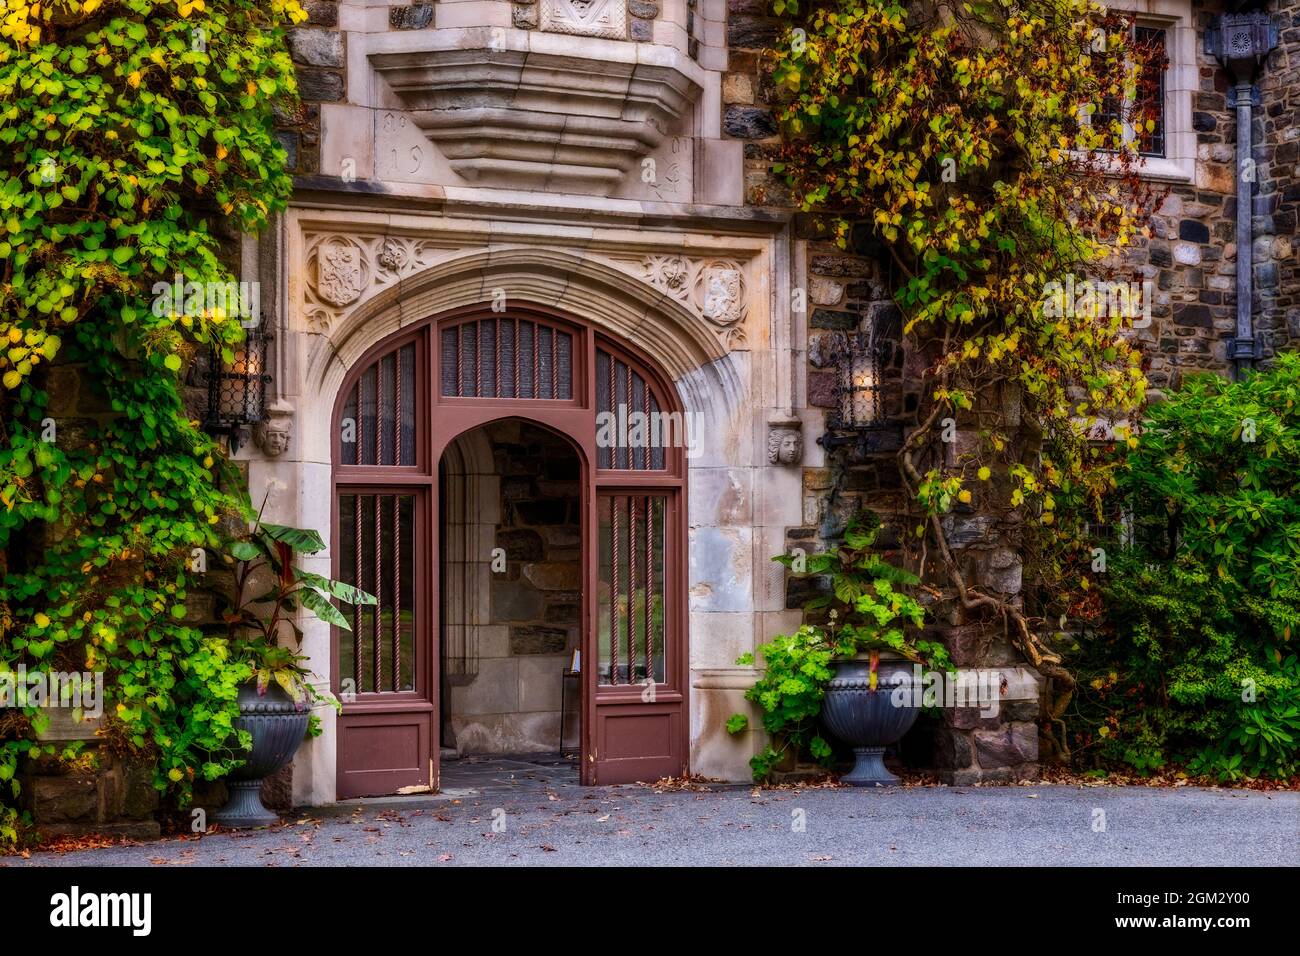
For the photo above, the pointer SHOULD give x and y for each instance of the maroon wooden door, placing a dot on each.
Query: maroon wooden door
(384, 667)
(408, 401)
(636, 692)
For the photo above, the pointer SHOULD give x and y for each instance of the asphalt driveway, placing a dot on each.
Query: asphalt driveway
(552, 822)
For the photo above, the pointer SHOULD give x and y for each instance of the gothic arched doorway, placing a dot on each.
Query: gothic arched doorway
(406, 410)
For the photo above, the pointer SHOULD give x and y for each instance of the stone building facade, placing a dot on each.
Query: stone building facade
(608, 161)
(1190, 258)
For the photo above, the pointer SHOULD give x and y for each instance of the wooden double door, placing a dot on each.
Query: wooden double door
(398, 411)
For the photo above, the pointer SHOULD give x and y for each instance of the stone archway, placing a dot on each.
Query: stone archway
(618, 420)
(741, 503)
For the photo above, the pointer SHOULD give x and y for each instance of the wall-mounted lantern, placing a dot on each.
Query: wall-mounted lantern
(237, 391)
(859, 417)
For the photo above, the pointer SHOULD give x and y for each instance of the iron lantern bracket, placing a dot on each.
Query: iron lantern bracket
(875, 439)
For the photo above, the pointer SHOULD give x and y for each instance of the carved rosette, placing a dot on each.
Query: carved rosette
(342, 270)
(714, 289)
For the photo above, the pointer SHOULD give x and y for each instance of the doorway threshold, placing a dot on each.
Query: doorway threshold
(474, 776)
(510, 773)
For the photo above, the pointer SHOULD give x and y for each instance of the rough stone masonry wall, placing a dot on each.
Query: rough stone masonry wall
(319, 53)
(510, 700)
(1192, 252)
(1191, 258)
(1277, 205)
(844, 288)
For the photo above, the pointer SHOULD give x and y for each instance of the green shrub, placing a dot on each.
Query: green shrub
(866, 610)
(1196, 663)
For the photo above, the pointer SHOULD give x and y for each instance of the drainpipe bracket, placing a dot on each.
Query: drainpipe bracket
(1234, 101)
(1241, 41)
(1244, 348)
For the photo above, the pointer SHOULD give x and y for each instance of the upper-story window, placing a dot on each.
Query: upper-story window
(1157, 116)
(1144, 116)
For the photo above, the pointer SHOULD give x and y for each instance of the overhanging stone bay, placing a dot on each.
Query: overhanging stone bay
(521, 110)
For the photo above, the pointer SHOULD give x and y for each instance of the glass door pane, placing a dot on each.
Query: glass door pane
(377, 554)
(630, 597)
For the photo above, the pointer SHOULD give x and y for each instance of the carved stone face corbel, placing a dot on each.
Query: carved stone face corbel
(272, 435)
(785, 442)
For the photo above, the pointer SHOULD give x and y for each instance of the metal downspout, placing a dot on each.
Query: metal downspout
(1244, 349)
(1241, 42)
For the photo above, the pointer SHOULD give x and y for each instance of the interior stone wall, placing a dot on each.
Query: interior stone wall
(504, 696)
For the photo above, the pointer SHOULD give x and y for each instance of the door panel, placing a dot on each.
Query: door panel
(382, 664)
(381, 752)
(638, 697)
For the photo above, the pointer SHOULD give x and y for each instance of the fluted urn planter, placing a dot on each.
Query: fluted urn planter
(869, 720)
(277, 728)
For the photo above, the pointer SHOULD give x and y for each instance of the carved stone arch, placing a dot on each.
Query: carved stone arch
(419, 500)
(708, 378)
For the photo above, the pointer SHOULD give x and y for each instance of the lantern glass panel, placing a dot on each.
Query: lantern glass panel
(859, 373)
(238, 388)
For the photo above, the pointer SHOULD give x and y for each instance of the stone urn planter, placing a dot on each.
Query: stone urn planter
(869, 720)
(277, 728)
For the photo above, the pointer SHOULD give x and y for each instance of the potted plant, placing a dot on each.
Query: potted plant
(275, 705)
(849, 667)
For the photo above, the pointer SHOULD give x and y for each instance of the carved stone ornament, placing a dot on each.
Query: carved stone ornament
(588, 18)
(341, 270)
(273, 435)
(714, 289)
(720, 293)
(785, 443)
(339, 276)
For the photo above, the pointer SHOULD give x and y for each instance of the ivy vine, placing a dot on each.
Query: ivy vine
(968, 139)
(137, 138)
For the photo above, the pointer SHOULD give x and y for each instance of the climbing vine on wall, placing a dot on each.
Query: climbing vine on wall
(135, 138)
(989, 146)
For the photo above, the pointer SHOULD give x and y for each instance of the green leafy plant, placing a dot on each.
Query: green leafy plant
(1264, 740)
(865, 609)
(1195, 665)
(254, 622)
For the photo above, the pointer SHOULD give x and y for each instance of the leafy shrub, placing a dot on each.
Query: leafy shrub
(865, 610)
(1196, 665)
